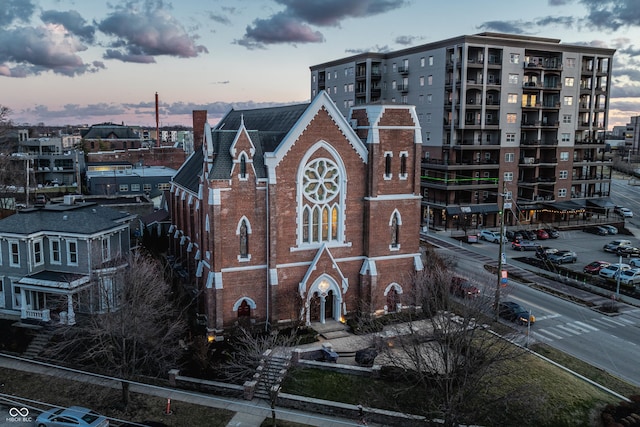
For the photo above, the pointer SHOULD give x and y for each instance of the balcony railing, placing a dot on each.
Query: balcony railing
(42, 315)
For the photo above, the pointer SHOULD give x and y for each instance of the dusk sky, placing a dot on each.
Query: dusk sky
(86, 61)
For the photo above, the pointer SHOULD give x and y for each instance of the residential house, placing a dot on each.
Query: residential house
(61, 259)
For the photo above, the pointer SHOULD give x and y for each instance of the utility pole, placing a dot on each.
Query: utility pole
(503, 195)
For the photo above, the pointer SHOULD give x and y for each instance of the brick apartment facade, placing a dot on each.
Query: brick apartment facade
(296, 214)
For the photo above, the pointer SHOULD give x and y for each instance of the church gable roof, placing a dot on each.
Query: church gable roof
(188, 176)
(110, 131)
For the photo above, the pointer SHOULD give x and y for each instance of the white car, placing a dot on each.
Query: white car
(611, 271)
(630, 277)
(634, 262)
(625, 212)
(490, 236)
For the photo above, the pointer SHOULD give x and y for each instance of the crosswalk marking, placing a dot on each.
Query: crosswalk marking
(587, 326)
(606, 319)
(569, 330)
(630, 322)
(547, 332)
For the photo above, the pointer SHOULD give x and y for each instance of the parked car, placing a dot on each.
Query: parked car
(543, 252)
(41, 200)
(614, 245)
(595, 267)
(515, 313)
(596, 229)
(542, 234)
(634, 262)
(611, 229)
(490, 236)
(612, 270)
(552, 232)
(529, 234)
(72, 416)
(514, 235)
(624, 212)
(628, 251)
(524, 245)
(563, 257)
(630, 276)
(463, 288)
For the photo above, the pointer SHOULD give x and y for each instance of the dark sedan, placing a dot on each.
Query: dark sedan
(514, 312)
(628, 251)
(600, 231)
(525, 245)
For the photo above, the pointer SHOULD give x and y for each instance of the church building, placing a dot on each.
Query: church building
(297, 214)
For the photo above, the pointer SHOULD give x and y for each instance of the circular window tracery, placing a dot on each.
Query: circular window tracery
(321, 181)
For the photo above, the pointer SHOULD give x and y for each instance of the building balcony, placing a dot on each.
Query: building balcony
(403, 69)
(403, 87)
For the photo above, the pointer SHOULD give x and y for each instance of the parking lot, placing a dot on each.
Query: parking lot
(587, 246)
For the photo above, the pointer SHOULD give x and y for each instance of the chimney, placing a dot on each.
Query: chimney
(157, 123)
(199, 120)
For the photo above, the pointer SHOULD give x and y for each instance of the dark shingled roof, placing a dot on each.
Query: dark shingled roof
(266, 127)
(110, 131)
(84, 218)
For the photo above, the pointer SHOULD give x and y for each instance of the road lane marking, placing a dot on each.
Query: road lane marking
(549, 316)
(569, 330)
(606, 319)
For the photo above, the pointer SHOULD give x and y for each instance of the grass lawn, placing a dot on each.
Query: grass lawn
(561, 398)
(106, 401)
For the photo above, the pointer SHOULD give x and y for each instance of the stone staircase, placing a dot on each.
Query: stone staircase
(331, 329)
(271, 372)
(38, 343)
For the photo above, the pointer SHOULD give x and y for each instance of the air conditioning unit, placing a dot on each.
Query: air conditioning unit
(529, 160)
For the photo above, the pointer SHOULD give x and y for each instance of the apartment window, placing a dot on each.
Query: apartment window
(511, 117)
(564, 174)
(345, 88)
(512, 98)
(428, 118)
(486, 174)
(14, 254)
(565, 137)
(346, 72)
(329, 75)
(394, 67)
(568, 81)
(394, 85)
(123, 187)
(350, 87)
(514, 58)
(568, 100)
(335, 74)
(513, 79)
(387, 165)
(37, 252)
(422, 61)
(429, 98)
(562, 192)
(164, 186)
(404, 99)
(429, 80)
(420, 99)
(570, 62)
(72, 252)
(566, 118)
(135, 187)
(421, 80)
(511, 137)
(146, 187)
(564, 156)
(54, 251)
(427, 137)
(403, 164)
(335, 90)
(509, 157)
(430, 60)
(106, 249)
(508, 176)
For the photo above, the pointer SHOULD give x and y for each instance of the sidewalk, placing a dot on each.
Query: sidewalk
(248, 413)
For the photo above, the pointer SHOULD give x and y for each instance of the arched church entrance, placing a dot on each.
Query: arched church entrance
(324, 299)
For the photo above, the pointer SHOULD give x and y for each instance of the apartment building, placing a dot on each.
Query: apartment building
(500, 114)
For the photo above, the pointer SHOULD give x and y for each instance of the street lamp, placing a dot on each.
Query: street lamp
(503, 205)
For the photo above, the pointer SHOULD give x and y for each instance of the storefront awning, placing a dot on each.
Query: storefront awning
(472, 209)
(568, 206)
(601, 202)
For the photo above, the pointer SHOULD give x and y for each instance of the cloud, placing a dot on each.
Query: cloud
(72, 21)
(147, 31)
(220, 19)
(28, 51)
(559, 2)
(376, 48)
(565, 21)
(512, 27)
(293, 24)
(407, 40)
(15, 10)
(612, 14)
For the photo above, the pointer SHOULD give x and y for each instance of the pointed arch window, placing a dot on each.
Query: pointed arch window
(321, 202)
(244, 240)
(394, 228)
(243, 166)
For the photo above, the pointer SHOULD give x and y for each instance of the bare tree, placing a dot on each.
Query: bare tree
(263, 357)
(138, 335)
(446, 355)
